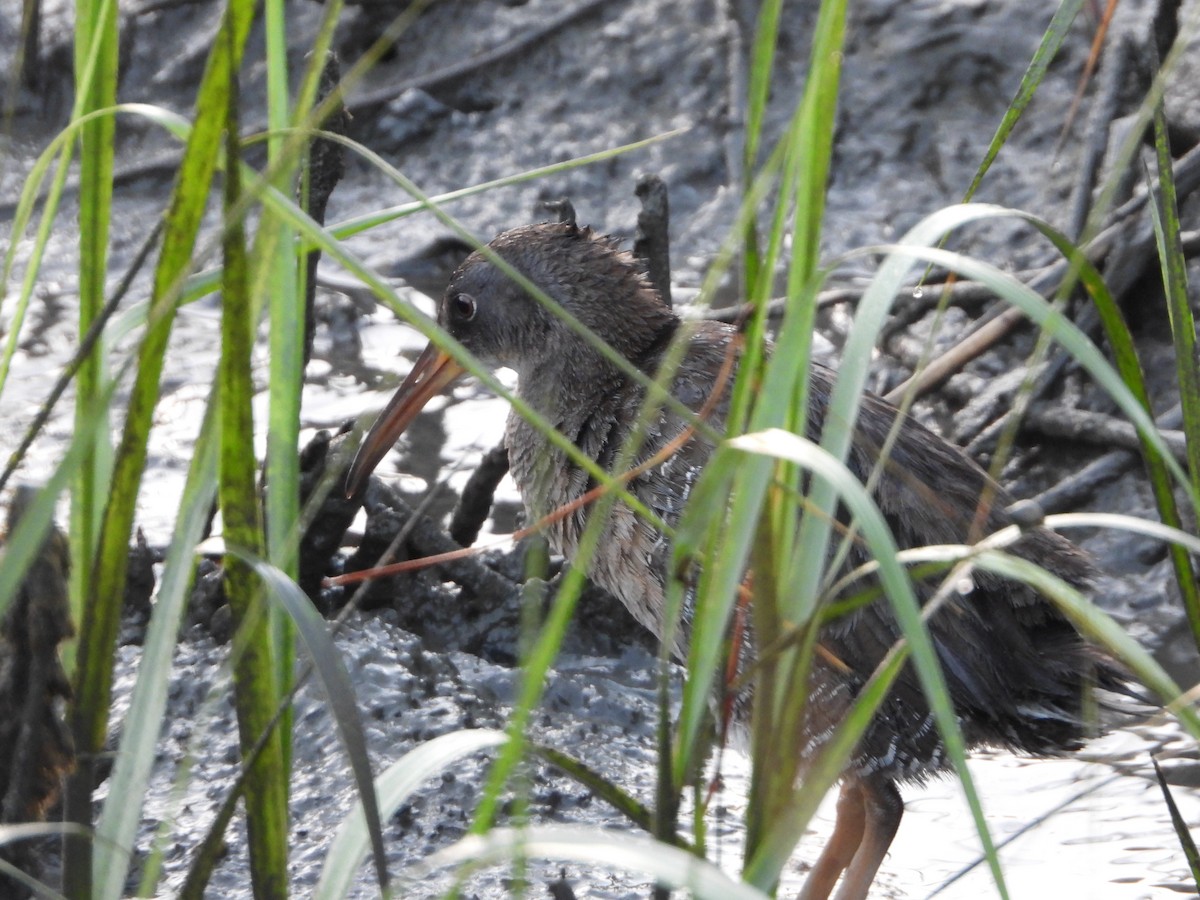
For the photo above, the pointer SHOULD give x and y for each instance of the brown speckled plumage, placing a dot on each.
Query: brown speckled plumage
(1016, 669)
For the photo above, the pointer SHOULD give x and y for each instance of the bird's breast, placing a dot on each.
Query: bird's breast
(630, 558)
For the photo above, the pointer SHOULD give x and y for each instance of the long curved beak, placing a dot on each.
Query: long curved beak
(433, 371)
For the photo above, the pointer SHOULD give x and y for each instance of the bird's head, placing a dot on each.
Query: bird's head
(496, 318)
(587, 274)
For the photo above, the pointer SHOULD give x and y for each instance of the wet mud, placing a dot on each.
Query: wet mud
(482, 89)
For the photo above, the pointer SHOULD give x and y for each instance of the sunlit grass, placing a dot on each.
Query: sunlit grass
(756, 478)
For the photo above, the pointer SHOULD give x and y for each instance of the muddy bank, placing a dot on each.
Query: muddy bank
(924, 86)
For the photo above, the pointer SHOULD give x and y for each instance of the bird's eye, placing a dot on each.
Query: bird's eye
(462, 307)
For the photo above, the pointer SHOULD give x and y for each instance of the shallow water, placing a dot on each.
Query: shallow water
(923, 86)
(1070, 827)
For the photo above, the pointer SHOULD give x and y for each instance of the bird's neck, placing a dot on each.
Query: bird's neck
(565, 385)
(586, 404)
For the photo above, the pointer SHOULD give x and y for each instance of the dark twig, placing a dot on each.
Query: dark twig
(1094, 428)
(476, 500)
(560, 889)
(1131, 233)
(325, 527)
(996, 408)
(652, 244)
(29, 58)
(95, 330)
(1074, 490)
(1104, 112)
(966, 294)
(563, 209)
(733, 33)
(326, 166)
(909, 351)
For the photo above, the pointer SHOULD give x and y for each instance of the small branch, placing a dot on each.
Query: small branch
(326, 166)
(953, 360)
(652, 244)
(86, 346)
(1131, 233)
(476, 500)
(1104, 112)
(1095, 428)
(962, 293)
(1074, 490)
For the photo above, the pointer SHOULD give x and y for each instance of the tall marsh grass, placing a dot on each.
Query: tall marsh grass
(763, 478)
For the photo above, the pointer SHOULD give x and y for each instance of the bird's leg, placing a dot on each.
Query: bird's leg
(842, 846)
(883, 807)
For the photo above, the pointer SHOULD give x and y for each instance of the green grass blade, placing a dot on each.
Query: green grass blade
(394, 786)
(1165, 215)
(817, 120)
(1179, 823)
(766, 864)
(256, 686)
(93, 675)
(789, 825)
(276, 285)
(777, 389)
(356, 224)
(758, 94)
(335, 681)
(534, 667)
(758, 90)
(723, 478)
(92, 72)
(1056, 33)
(1175, 279)
(596, 783)
(665, 864)
(116, 829)
(784, 400)
(20, 222)
(96, 68)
